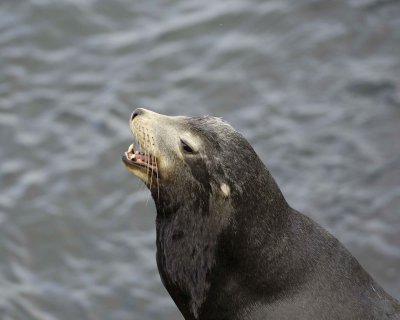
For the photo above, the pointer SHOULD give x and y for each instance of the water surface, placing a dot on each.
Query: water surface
(313, 85)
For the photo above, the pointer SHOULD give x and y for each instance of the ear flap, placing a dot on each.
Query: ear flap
(225, 189)
(221, 184)
(221, 206)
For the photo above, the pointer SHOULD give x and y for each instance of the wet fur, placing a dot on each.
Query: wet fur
(249, 255)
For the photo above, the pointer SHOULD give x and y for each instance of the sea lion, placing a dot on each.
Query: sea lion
(228, 244)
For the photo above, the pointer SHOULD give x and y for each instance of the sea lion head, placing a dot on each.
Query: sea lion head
(189, 156)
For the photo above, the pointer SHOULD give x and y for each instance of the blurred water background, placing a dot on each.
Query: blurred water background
(313, 84)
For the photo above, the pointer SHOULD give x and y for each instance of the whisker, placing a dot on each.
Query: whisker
(146, 145)
(158, 182)
(139, 185)
(156, 165)
(147, 157)
(140, 151)
(152, 170)
(151, 159)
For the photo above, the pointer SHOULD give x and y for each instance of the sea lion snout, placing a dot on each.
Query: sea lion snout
(159, 142)
(137, 112)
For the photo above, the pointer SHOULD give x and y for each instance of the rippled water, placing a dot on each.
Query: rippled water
(314, 86)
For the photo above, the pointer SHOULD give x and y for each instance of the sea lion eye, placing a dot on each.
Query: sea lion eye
(186, 147)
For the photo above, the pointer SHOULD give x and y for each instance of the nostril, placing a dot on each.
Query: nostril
(137, 112)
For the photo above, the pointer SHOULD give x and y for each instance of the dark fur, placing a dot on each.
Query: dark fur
(249, 255)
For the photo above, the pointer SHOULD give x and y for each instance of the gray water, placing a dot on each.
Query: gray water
(313, 85)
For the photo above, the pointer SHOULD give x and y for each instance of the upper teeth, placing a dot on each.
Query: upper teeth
(130, 148)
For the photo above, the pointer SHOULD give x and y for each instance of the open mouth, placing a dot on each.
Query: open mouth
(140, 159)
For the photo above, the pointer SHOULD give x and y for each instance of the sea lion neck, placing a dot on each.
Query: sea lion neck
(192, 233)
(187, 237)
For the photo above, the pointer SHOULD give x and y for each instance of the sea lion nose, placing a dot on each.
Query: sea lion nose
(137, 112)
